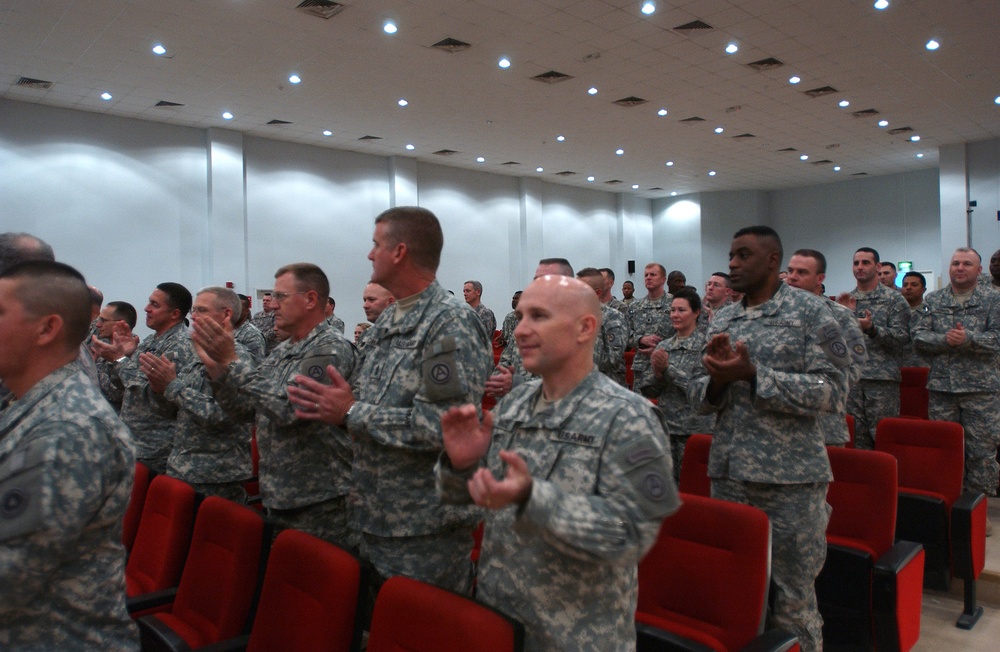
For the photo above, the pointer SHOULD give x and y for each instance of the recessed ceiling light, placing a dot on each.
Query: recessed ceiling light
(295, 79)
(327, 133)
(836, 168)
(996, 100)
(881, 4)
(635, 186)
(620, 151)
(670, 164)
(226, 115)
(673, 194)
(389, 27)
(920, 155)
(410, 147)
(732, 48)
(105, 96)
(480, 159)
(539, 169)
(794, 79)
(883, 123)
(590, 178)
(932, 45)
(711, 173)
(159, 49)
(661, 112)
(504, 62)
(402, 102)
(804, 157)
(592, 90)
(843, 104)
(648, 7)
(914, 138)
(560, 138)
(718, 130)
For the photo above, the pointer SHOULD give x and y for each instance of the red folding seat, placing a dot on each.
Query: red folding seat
(933, 509)
(133, 513)
(161, 544)
(704, 583)
(414, 616)
(914, 397)
(694, 469)
(870, 588)
(220, 580)
(850, 429)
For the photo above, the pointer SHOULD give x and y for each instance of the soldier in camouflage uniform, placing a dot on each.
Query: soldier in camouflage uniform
(768, 390)
(247, 335)
(65, 475)
(509, 322)
(211, 450)
(335, 321)
(116, 316)
(958, 330)
(609, 348)
(807, 271)
(510, 370)
(673, 363)
(152, 433)
(473, 291)
(264, 321)
(649, 318)
(914, 286)
(305, 466)
(607, 298)
(429, 352)
(574, 475)
(884, 318)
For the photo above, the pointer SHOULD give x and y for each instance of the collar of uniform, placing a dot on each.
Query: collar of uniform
(769, 308)
(19, 407)
(294, 349)
(431, 294)
(977, 298)
(554, 417)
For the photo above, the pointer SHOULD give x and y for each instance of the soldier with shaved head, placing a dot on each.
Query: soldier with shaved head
(574, 475)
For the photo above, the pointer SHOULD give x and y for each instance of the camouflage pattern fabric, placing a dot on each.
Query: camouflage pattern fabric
(617, 304)
(250, 338)
(488, 318)
(111, 387)
(507, 330)
(609, 349)
(152, 433)
(325, 520)
(264, 321)
(648, 317)
(565, 563)
(432, 358)
(869, 402)
(835, 430)
(66, 470)
(965, 380)
(911, 357)
(337, 323)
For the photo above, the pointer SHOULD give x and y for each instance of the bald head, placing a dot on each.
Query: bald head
(375, 299)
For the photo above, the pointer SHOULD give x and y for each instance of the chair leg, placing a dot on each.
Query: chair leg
(972, 612)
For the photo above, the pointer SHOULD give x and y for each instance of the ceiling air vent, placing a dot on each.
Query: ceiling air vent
(693, 119)
(788, 149)
(693, 26)
(163, 104)
(630, 101)
(613, 182)
(743, 136)
(278, 122)
(865, 113)
(860, 174)
(823, 162)
(900, 130)
(821, 91)
(654, 188)
(769, 63)
(511, 163)
(565, 173)
(451, 45)
(370, 138)
(34, 83)
(446, 152)
(552, 77)
(321, 8)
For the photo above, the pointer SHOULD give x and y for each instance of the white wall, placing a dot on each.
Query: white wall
(984, 189)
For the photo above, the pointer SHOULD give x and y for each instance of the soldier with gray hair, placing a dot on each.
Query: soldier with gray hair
(65, 474)
(211, 449)
(473, 292)
(574, 477)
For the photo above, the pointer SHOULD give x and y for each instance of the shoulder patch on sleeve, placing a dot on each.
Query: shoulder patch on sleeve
(441, 375)
(314, 365)
(832, 342)
(21, 492)
(647, 468)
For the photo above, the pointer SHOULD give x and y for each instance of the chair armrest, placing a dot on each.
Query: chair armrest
(968, 535)
(146, 601)
(238, 644)
(897, 597)
(156, 636)
(773, 640)
(654, 639)
(897, 557)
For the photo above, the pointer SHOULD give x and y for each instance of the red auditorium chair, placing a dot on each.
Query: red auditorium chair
(133, 513)
(850, 429)
(704, 583)
(417, 617)
(869, 581)
(694, 469)
(308, 601)
(933, 510)
(220, 580)
(161, 544)
(913, 394)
